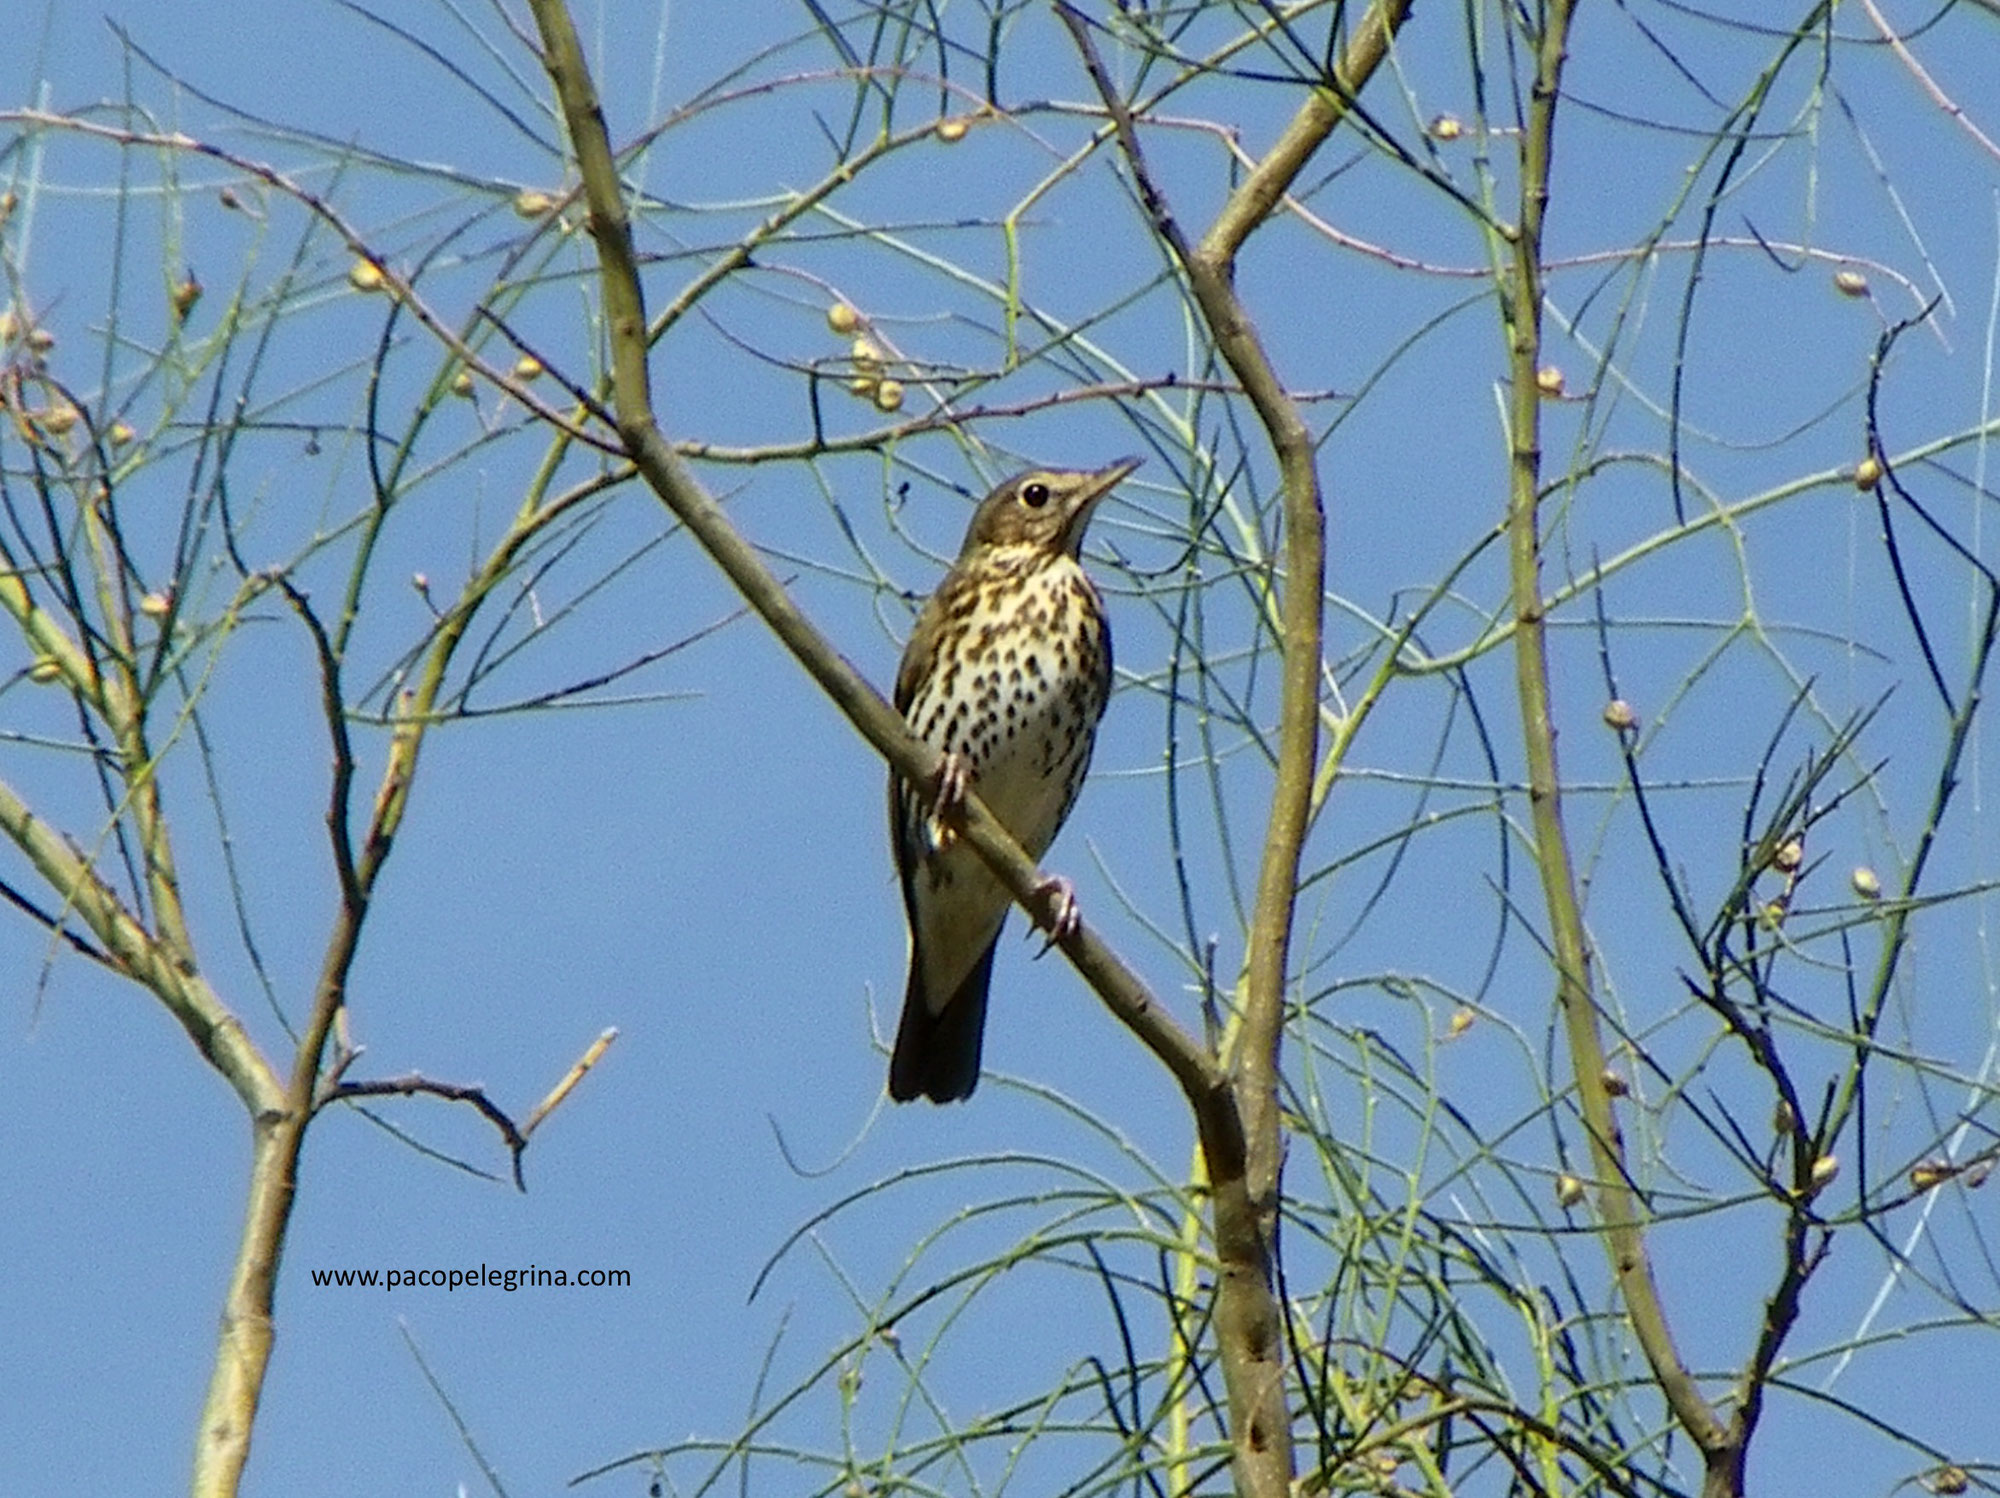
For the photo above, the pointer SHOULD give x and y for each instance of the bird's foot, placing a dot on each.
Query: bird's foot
(1058, 916)
(954, 779)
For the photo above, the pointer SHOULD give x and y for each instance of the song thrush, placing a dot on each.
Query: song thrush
(1007, 672)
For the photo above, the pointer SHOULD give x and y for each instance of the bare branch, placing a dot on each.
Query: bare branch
(1624, 1239)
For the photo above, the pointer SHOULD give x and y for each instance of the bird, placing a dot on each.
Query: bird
(1007, 672)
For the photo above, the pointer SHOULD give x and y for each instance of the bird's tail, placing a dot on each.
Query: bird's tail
(937, 1054)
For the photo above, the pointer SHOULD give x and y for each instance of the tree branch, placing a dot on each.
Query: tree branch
(1249, 1323)
(1625, 1238)
(133, 950)
(1258, 195)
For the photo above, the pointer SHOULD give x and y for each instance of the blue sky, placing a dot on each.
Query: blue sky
(706, 870)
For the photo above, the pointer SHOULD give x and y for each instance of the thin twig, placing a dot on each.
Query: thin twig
(567, 1085)
(413, 1084)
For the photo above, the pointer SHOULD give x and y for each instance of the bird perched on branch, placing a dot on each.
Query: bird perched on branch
(1006, 672)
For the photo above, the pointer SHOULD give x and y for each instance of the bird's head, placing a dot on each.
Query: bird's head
(1046, 508)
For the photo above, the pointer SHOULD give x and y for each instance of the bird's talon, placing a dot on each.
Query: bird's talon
(1059, 918)
(954, 778)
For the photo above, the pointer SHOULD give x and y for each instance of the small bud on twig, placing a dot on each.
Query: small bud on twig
(185, 295)
(1930, 1173)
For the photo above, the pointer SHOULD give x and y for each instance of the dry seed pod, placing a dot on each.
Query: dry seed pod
(842, 318)
(1950, 1480)
(889, 396)
(1930, 1173)
(952, 129)
(1791, 853)
(1824, 1169)
(366, 275)
(1549, 380)
(1866, 883)
(1569, 1190)
(527, 367)
(1446, 127)
(1613, 1083)
(1462, 1019)
(1850, 283)
(184, 296)
(121, 433)
(156, 605)
(1868, 473)
(531, 204)
(461, 384)
(58, 420)
(1618, 715)
(45, 669)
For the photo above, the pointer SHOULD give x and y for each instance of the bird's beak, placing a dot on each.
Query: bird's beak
(1101, 483)
(1110, 478)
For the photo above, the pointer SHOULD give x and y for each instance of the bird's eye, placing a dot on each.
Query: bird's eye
(1035, 495)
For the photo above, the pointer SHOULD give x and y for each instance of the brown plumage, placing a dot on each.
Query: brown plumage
(1007, 672)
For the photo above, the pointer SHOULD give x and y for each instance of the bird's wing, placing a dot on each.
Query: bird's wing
(907, 809)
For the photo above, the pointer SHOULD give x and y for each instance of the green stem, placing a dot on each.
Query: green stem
(1617, 1202)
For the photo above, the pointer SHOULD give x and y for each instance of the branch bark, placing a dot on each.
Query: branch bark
(1249, 1321)
(1617, 1202)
